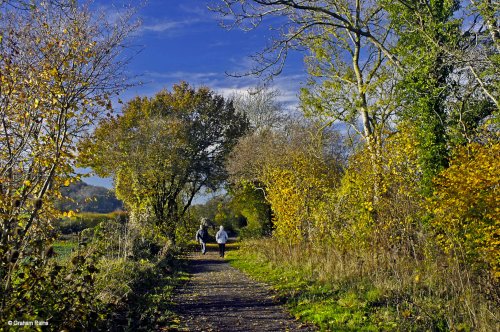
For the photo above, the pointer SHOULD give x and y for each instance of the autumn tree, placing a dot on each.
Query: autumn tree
(298, 19)
(163, 150)
(294, 169)
(59, 65)
(265, 114)
(474, 48)
(466, 206)
(444, 54)
(246, 185)
(349, 58)
(351, 81)
(480, 52)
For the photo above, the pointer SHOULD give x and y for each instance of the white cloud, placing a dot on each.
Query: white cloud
(196, 15)
(196, 10)
(167, 25)
(205, 14)
(179, 75)
(288, 85)
(161, 26)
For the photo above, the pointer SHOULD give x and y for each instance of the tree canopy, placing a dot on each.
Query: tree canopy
(163, 150)
(59, 66)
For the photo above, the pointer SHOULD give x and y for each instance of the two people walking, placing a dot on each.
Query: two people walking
(221, 239)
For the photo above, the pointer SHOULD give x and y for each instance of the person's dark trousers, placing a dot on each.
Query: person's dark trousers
(222, 249)
(203, 247)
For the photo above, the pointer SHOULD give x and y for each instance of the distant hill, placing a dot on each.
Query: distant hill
(87, 198)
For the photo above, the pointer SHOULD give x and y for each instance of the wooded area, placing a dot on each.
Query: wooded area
(381, 192)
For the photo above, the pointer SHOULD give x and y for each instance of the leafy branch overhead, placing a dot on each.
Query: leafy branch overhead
(60, 64)
(301, 22)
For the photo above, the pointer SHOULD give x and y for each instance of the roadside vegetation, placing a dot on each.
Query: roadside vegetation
(381, 197)
(372, 206)
(60, 64)
(343, 293)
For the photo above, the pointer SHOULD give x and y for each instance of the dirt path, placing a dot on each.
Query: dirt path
(221, 298)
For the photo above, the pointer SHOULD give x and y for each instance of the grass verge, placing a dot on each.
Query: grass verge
(330, 306)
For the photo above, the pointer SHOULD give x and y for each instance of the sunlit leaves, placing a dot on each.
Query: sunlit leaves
(466, 205)
(296, 188)
(162, 150)
(296, 171)
(59, 66)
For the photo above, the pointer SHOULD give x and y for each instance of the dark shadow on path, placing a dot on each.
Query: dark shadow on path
(220, 298)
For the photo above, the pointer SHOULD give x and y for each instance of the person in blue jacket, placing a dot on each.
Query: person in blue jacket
(202, 238)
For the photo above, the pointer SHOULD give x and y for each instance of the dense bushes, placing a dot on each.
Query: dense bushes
(83, 290)
(62, 295)
(382, 249)
(466, 207)
(288, 175)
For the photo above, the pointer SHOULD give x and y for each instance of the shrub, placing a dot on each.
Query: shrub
(63, 295)
(466, 207)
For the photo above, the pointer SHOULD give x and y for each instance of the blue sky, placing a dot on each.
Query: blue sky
(182, 40)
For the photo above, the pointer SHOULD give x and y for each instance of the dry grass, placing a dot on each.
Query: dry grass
(431, 291)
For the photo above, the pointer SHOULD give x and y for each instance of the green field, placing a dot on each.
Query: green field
(64, 248)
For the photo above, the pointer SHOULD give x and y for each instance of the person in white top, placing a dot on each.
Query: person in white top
(221, 238)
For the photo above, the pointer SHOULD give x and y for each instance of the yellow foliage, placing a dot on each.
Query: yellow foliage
(69, 214)
(378, 200)
(297, 190)
(466, 203)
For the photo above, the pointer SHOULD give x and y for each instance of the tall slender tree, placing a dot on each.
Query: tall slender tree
(350, 49)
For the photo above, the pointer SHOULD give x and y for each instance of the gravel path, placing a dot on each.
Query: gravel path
(219, 297)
